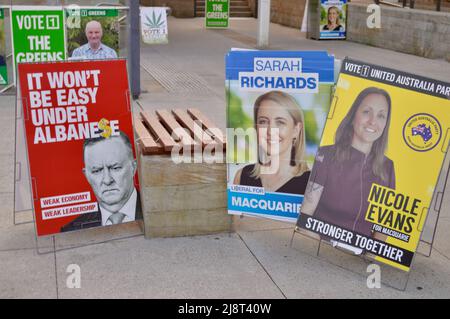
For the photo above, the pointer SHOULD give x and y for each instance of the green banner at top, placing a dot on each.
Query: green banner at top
(92, 13)
(99, 13)
(38, 35)
(217, 13)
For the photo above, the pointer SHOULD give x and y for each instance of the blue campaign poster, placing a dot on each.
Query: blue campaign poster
(333, 19)
(277, 103)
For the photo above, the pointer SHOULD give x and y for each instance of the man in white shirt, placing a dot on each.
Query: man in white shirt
(109, 168)
(94, 49)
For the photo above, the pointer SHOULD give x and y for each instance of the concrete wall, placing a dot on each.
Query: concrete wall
(418, 32)
(180, 8)
(285, 12)
(288, 12)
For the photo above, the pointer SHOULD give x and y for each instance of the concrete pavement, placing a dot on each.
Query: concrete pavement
(254, 262)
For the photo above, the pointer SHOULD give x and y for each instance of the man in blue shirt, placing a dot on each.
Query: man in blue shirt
(94, 49)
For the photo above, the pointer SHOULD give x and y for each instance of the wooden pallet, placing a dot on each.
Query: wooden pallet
(159, 132)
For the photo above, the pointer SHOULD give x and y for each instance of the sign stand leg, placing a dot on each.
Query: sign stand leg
(428, 235)
(19, 169)
(318, 247)
(407, 281)
(16, 223)
(312, 252)
(6, 88)
(320, 256)
(17, 178)
(53, 248)
(292, 238)
(434, 210)
(23, 195)
(368, 261)
(435, 207)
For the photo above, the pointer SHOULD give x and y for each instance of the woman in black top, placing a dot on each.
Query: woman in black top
(281, 163)
(333, 20)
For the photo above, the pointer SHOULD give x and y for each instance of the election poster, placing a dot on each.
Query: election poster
(217, 13)
(38, 34)
(154, 25)
(3, 66)
(277, 104)
(92, 33)
(333, 18)
(379, 160)
(80, 144)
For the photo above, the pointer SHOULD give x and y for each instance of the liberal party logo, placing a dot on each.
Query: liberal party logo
(422, 132)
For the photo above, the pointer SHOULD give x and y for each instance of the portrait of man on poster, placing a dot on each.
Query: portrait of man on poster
(94, 49)
(109, 167)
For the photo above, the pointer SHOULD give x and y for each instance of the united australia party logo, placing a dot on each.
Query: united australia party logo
(422, 132)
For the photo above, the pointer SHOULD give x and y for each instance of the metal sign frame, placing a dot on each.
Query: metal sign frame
(23, 180)
(435, 207)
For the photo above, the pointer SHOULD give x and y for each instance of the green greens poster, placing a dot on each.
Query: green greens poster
(92, 33)
(3, 68)
(38, 35)
(217, 13)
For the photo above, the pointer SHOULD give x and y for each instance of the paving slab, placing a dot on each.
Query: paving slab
(98, 235)
(22, 236)
(193, 267)
(219, 266)
(251, 223)
(442, 238)
(7, 173)
(7, 135)
(19, 236)
(6, 210)
(301, 274)
(25, 274)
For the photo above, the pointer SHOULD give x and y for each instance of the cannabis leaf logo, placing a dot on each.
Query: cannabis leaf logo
(153, 22)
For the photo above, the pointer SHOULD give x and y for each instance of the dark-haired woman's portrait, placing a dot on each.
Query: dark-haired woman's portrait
(343, 173)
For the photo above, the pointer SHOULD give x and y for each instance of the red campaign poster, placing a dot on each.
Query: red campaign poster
(80, 144)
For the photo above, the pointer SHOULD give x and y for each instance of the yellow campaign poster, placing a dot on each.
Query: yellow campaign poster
(378, 163)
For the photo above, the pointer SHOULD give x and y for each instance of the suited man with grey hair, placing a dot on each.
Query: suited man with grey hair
(109, 168)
